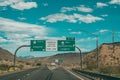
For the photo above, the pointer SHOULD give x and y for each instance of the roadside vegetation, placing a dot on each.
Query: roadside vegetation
(111, 70)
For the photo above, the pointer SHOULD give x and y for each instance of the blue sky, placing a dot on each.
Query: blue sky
(25, 20)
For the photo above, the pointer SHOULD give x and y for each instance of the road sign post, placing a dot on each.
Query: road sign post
(14, 61)
(81, 62)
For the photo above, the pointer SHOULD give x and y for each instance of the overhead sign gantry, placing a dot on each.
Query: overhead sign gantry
(66, 44)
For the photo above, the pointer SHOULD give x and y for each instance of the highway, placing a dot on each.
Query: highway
(43, 74)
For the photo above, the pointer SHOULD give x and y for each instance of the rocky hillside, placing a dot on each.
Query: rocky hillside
(6, 55)
(109, 55)
(6, 62)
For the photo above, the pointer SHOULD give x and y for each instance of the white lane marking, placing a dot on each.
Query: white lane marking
(27, 74)
(74, 74)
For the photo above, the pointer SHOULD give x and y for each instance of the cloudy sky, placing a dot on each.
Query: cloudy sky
(25, 20)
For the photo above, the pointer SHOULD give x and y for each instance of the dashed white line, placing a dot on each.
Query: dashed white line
(74, 74)
(27, 74)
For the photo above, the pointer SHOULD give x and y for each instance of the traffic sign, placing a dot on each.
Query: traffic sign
(38, 45)
(53, 45)
(66, 45)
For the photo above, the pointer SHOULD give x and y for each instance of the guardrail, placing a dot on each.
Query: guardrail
(96, 76)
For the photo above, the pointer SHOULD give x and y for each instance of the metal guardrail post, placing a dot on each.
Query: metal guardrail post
(14, 62)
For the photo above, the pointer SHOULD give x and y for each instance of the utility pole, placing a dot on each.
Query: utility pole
(113, 39)
(113, 36)
(97, 48)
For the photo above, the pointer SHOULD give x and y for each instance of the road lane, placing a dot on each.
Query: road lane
(43, 74)
(31, 74)
(62, 74)
(38, 75)
(75, 74)
(16, 75)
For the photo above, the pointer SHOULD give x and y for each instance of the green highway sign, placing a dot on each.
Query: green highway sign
(38, 45)
(67, 44)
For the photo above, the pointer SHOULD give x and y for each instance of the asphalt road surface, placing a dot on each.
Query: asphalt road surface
(43, 74)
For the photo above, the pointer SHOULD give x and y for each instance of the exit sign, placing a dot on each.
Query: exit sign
(67, 44)
(38, 45)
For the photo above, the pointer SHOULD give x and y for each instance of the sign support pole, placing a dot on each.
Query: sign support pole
(80, 57)
(16, 53)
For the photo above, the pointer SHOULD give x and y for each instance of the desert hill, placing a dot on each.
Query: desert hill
(5, 54)
(68, 58)
(109, 55)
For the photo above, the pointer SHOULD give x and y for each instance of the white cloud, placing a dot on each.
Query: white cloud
(69, 29)
(71, 18)
(18, 4)
(115, 2)
(86, 39)
(2, 39)
(100, 5)
(55, 38)
(54, 18)
(24, 5)
(104, 15)
(8, 2)
(84, 49)
(65, 9)
(21, 31)
(45, 4)
(87, 18)
(76, 32)
(103, 30)
(21, 18)
(81, 8)
(18, 36)
(59, 17)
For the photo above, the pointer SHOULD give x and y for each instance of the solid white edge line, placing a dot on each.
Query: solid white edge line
(74, 74)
